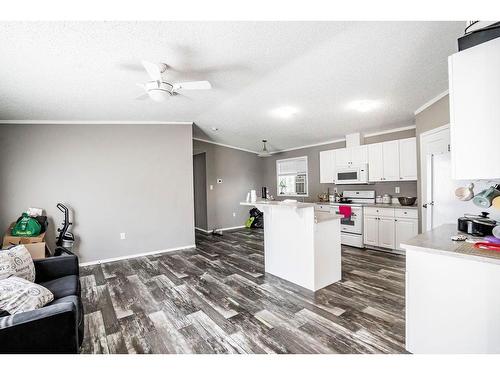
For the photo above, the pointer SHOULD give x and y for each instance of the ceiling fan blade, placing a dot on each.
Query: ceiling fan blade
(194, 85)
(153, 70)
(142, 97)
(142, 86)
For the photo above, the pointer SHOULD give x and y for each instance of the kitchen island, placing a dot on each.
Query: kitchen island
(452, 295)
(300, 245)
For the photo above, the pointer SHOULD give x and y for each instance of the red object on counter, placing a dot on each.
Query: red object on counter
(345, 210)
(487, 246)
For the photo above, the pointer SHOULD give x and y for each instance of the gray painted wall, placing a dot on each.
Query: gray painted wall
(200, 190)
(408, 188)
(434, 116)
(136, 179)
(240, 171)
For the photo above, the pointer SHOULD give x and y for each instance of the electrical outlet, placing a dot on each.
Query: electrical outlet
(234, 214)
(219, 180)
(211, 187)
(123, 236)
(397, 190)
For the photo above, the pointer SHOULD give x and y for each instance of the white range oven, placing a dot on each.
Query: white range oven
(351, 228)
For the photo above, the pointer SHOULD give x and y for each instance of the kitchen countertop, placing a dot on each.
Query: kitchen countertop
(438, 241)
(278, 203)
(381, 205)
(320, 217)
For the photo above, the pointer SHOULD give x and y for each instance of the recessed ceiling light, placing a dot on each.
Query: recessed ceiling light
(285, 111)
(364, 105)
(215, 129)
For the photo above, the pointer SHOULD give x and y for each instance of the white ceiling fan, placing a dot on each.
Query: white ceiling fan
(159, 89)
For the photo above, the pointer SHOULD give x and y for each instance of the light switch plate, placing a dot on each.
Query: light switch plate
(397, 190)
(211, 187)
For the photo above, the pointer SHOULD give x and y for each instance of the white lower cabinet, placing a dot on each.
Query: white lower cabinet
(388, 227)
(405, 229)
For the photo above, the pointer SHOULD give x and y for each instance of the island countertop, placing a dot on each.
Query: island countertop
(438, 241)
(278, 203)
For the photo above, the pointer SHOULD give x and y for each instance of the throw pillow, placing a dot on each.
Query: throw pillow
(19, 295)
(17, 261)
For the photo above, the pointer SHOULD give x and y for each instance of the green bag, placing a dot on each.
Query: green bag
(26, 227)
(249, 222)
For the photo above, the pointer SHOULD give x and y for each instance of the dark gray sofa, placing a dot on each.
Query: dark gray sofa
(56, 327)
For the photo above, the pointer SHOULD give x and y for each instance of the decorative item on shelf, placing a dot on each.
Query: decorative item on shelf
(465, 193)
(386, 199)
(485, 198)
(253, 196)
(323, 197)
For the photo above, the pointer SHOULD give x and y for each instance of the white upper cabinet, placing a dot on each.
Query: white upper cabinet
(359, 155)
(391, 161)
(346, 157)
(383, 161)
(474, 77)
(327, 167)
(376, 162)
(408, 159)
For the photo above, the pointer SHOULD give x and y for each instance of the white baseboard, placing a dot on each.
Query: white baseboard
(222, 229)
(203, 230)
(107, 260)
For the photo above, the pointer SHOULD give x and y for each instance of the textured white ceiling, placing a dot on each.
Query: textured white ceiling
(88, 70)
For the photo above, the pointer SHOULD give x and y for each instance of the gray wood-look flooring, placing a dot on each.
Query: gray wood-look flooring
(217, 299)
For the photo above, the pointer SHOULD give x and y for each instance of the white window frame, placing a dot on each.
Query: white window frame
(306, 195)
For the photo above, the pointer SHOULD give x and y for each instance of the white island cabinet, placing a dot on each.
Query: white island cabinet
(300, 245)
(452, 295)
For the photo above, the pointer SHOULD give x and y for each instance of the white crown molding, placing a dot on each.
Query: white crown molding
(224, 145)
(431, 102)
(91, 122)
(311, 145)
(396, 130)
(107, 260)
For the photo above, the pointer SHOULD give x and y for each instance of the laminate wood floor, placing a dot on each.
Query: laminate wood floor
(217, 299)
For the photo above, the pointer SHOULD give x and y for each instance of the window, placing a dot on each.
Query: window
(292, 177)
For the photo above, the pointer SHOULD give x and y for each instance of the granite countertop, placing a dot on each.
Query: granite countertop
(278, 203)
(390, 205)
(438, 241)
(320, 217)
(381, 205)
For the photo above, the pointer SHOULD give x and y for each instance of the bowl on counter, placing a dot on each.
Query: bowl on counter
(407, 201)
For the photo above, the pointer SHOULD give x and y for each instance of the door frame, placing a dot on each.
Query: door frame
(424, 162)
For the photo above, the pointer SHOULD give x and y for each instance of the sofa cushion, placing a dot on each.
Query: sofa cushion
(18, 295)
(17, 261)
(63, 286)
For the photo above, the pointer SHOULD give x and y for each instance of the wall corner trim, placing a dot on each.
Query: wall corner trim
(431, 102)
(107, 260)
(225, 145)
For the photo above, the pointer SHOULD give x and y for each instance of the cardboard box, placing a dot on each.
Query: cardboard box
(9, 240)
(36, 250)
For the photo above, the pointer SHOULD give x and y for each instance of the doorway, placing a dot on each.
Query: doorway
(200, 191)
(436, 177)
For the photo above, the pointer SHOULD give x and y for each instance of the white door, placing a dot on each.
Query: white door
(375, 162)
(327, 167)
(405, 229)
(391, 160)
(434, 142)
(408, 159)
(370, 231)
(342, 157)
(359, 155)
(386, 236)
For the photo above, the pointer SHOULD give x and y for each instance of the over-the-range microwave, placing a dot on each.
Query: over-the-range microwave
(354, 174)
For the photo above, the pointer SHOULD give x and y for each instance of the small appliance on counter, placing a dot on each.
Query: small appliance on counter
(264, 192)
(476, 225)
(386, 199)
